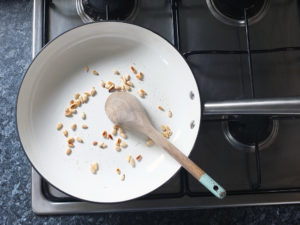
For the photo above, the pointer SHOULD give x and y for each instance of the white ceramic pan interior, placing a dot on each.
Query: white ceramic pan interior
(57, 73)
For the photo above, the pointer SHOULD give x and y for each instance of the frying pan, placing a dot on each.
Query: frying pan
(58, 72)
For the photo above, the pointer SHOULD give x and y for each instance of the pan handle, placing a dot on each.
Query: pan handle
(274, 107)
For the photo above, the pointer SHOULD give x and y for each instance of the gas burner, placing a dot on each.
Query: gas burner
(232, 11)
(97, 10)
(243, 131)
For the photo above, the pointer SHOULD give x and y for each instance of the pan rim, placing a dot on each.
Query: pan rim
(33, 61)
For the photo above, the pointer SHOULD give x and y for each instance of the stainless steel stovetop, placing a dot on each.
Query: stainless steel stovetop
(266, 172)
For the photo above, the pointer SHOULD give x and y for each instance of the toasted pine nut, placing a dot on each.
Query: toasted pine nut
(79, 139)
(70, 140)
(116, 72)
(59, 126)
(84, 126)
(143, 91)
(123, 135)
(78, 102)
(128, 158)
(81, 99)
(170, 114)
(114, 132)
(111, 88)
(116, 127)
(83, 115)
(133, 69)
(73, 111)
(104, 134)
(95, 143)
(118, 171)
(95, 72)
(122, 177)
(132, 162)
(74, 126)
(129, 83)
(85, 98)
(141, 94)
(87, 93)
(93, 91)
(102, 83)
(94, 168)
(68, 113)
(123, 144)
(69, 151)
(76, 95)
(163, 128)
(138, 158)
(123, 79)
(117, 148)
(86, 68)
(71, 145)
(65, 132)
(73, 106)
(161, 108)
(139, 76)
(118, 142)
(149, 142)
(110, 137)
(71, 102)
(108, 84)
(102, 145)
(127, 78)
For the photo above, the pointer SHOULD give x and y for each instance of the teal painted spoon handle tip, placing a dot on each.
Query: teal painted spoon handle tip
(212, 186)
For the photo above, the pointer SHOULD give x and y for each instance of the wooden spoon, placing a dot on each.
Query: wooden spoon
(125, 110)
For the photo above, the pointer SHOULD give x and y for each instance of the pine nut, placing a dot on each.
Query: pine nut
(102, 83)
(133, 69)
(84, 126)
(122, 177)
(65, 132)
(95, 72)
(132, 162)
(83, 116)
(94, 168)
(123, 144)
(79, 139)
(116, 72)
(69, 151)
(149, 142)
(76, 96)
(59, 126)
(161, 108)
(93, 91)
(123, 135)
(74, 126)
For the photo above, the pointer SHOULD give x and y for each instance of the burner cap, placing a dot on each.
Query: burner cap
(232, 11)
(97, 10)
(243, 131)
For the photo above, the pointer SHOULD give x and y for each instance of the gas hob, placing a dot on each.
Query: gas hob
(244, 56)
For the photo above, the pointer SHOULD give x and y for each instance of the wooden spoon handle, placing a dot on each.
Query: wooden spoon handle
(188, 164)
